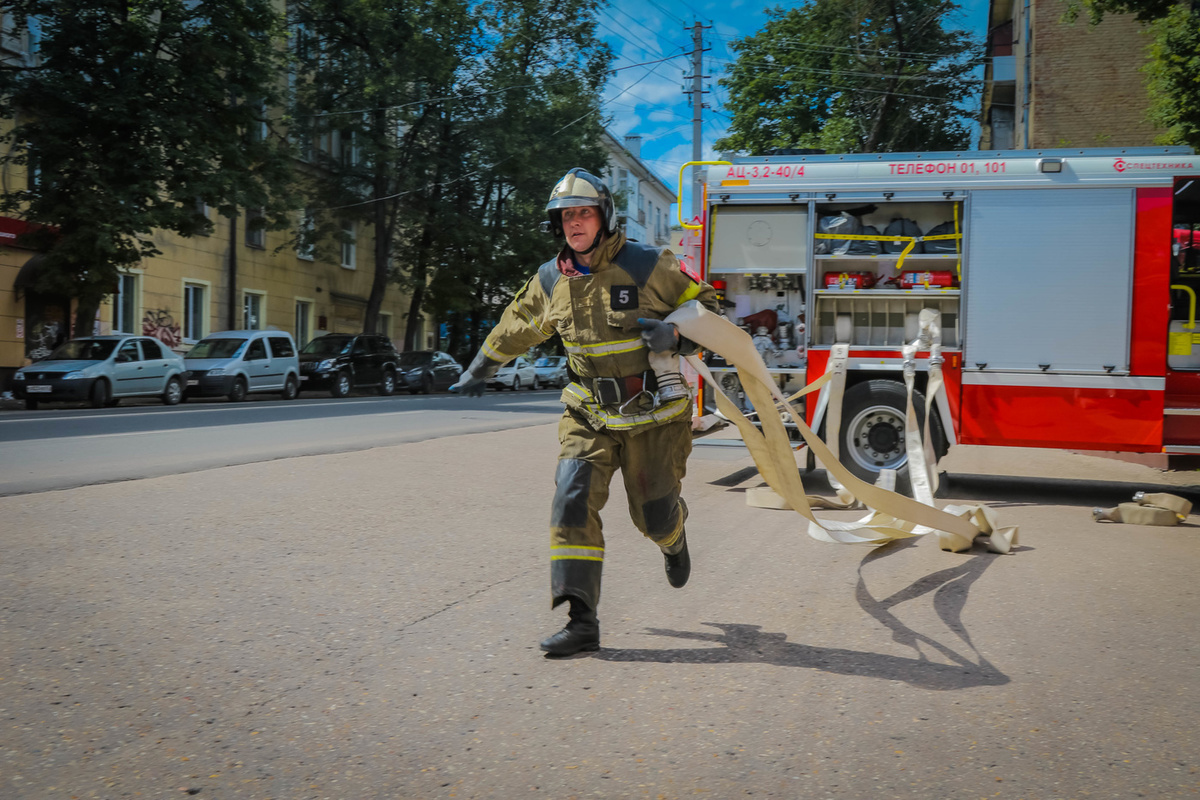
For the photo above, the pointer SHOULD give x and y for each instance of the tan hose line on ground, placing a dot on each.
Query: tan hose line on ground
(892, 516)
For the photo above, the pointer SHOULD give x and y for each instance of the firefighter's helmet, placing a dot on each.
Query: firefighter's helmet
(581, 188)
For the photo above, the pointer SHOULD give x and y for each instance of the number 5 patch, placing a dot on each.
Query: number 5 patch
(623, 298)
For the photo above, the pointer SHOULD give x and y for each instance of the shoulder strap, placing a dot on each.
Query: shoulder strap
(638, 260)
(548, 274)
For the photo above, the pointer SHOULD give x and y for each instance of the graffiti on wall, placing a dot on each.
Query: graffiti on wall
(161, 325)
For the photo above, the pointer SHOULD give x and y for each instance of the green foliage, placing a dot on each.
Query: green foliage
(132, 112)
(473, 112)
(1174, 71)
(852, 76)
(373, 116)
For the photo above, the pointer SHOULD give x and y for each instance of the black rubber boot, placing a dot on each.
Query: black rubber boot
(679, 564)
(581, 634)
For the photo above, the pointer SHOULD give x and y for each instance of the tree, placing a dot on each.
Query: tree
(852, 76)
(1173, 68)
(133, 112)
(371, 88)
(531, 110)
(462, 116)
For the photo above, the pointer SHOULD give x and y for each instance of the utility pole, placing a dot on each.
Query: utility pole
(697, 99)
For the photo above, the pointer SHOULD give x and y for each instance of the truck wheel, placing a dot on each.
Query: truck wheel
(872, 435)
(238, 393)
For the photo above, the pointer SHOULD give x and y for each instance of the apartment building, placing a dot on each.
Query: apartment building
(1050, 83)
(238, 276)
(643, 199)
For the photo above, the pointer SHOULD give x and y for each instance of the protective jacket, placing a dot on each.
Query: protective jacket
(597, 316)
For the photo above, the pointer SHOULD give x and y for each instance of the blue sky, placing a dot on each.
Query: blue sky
(648, 100)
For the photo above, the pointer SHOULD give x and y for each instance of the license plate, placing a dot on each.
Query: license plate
(39, 389)
(194, 382)
(303, 377)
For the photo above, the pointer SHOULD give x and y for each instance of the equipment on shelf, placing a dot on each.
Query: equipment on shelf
(850, 280)
(934, 279)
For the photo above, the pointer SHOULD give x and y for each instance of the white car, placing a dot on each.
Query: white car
(516, 374)
(552, 371)
(102, 370)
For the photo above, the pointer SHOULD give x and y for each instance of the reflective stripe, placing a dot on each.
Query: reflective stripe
(576, 553)
(495, 354)
(622, 422)
(691, 293)
(604, 348)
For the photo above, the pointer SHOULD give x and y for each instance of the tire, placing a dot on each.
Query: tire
(536, 384)
(239, 391)
(516, 383)
(31, 404)
(100, 395)
(387, 386)
(427, 384)
(173, 394)
(291, 388)
(341, 385)
(872, 434)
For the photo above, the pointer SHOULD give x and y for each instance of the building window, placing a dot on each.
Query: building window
(383, 324)
(348, 141)
(253, 304)
(306, 233)
(304, 310)
(195, 311)
(202, 210)
(255, 222)
(24, 42)
(125, 305)
(348, 246)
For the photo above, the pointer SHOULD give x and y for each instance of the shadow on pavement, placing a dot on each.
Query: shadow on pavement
(1053, 491)
(749, 644)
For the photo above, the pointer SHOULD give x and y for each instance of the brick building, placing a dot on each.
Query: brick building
(1051, 83)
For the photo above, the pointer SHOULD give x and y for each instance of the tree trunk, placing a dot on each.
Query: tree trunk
(382, 255)
(893, 85)
(85, 318)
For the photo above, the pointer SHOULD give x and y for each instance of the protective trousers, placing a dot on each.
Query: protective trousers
(652, 463)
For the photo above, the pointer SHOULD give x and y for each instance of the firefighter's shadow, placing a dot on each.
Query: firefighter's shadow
(957, 667)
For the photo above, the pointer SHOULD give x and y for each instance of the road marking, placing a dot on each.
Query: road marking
(196, 410)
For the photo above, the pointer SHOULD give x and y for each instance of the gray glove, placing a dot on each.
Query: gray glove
(659, 336)
(474, 378)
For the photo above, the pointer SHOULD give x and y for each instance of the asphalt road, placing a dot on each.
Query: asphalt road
(65, 447)
(365, 625)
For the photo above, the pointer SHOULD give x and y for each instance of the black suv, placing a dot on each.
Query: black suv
(341, 362)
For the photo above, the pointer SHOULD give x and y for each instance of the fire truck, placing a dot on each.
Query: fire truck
(1065, 282)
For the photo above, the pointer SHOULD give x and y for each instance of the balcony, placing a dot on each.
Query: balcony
(1004, 69)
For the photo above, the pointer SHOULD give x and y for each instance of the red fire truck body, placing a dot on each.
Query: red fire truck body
(1068, 322)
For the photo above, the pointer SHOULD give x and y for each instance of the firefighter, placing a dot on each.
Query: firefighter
(606, 296)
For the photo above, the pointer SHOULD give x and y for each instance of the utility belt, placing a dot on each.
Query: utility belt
(618, 391)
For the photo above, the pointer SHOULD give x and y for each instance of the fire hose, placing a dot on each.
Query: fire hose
(892, 516)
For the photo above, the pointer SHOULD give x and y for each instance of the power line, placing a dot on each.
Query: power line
(476, 95)
(788, 67)
(797, 44)
(491, 166)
